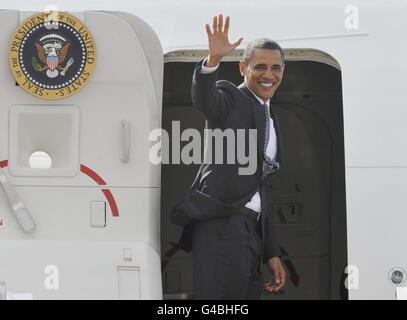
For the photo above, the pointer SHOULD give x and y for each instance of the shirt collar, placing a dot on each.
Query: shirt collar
(260, 99)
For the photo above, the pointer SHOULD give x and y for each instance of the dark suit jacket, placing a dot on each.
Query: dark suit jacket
(226, 106)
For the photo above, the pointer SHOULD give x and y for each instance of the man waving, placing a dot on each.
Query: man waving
(228, 249)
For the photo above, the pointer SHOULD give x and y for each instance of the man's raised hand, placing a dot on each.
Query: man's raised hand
(219, 45)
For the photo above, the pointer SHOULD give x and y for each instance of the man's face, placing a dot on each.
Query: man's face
(264, 72)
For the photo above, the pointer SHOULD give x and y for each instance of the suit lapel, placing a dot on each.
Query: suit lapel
(259, 119)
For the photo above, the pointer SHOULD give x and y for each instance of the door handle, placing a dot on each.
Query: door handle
(126, 125)
(20, 212)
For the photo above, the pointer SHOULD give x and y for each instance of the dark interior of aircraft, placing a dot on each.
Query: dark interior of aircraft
(309, 200)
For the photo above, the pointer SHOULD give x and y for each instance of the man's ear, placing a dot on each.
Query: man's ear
(242, 68)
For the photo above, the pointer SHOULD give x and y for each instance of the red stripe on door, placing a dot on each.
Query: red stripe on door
(112, 202)
(3, 163)
(93, 175)
(110, 199)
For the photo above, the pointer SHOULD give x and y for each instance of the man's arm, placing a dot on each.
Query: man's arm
(271, 246)
(206, 97)
(271, 256)
(205, 69)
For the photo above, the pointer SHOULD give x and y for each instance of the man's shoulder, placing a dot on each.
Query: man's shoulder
(232, 90)
(227, 85)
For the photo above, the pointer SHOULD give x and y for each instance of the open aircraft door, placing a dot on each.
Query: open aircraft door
(84, 90)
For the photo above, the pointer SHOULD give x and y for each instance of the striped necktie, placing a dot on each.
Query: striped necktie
(268, 164)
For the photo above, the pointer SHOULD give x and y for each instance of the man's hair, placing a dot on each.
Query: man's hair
(262, 43)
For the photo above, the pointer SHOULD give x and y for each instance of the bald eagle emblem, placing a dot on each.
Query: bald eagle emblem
(52, 51)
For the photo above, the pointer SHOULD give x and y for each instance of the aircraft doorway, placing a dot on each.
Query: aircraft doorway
(309, 190)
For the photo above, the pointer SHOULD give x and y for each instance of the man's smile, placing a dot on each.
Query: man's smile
(266, 84)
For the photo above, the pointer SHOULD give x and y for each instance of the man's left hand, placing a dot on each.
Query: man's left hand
(277, 275)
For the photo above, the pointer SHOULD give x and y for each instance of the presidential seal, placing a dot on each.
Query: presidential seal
(52, 55)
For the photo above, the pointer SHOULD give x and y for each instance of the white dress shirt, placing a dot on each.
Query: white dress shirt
(271, 150)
